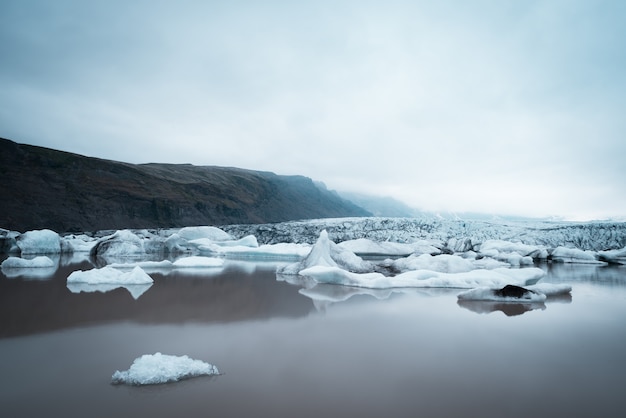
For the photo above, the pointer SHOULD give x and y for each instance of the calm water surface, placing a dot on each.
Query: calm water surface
(322, 352)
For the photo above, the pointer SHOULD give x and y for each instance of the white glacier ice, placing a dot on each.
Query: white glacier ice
(535, 293)
(211, 233)
(575, 255)
(198, 262)
(426, 278)
(327, 253)
(37, 262)
(105, 279)
(42, 241)
(109, 275)
(152, 369)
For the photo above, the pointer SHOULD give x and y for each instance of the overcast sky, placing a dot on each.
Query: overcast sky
(508, 107)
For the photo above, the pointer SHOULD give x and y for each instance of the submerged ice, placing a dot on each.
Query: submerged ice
(152, 369)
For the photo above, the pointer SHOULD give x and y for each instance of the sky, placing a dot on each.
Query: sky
(501, 107)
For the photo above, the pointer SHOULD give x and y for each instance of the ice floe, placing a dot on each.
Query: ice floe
(41, 261)
(107, 278)
(152, 369)
(198, 262)
(575, 255)
(42, 241)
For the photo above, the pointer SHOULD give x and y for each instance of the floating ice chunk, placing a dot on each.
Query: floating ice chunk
(523, 250)
(123, 243)
(197, 262)
(283, 251)
(146, 265)
(42, 241)
(79, 243)
(551, 289)
(151, 369)
(210, 232)
(109, 275)
(574, 255)
(426, 278)
(443, 263)
(508, 293)
(326, 253)
(21, 263)
(38, 268)
(613, 256)
(365, 246)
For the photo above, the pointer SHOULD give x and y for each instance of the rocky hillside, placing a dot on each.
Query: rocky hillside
(45, 188)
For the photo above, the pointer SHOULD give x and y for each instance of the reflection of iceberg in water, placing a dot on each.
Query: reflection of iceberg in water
(135, 290)
(37, 268)
(508, 308)
(324, 295)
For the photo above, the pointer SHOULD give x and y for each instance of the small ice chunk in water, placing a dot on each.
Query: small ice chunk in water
(152, 369)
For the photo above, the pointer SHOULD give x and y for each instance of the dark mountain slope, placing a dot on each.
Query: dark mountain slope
(45, 188)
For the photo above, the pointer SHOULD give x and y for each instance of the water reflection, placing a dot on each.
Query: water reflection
(135, 290)
(509, 309)
(241, 291)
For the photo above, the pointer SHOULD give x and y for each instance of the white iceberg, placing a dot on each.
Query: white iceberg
(152, 369)
(109, 275)
(444, 263)
(426, 278)
(21, 263)
(575, 255)
(38, 268)
(212, 233)
(328, 254)
(284, 251)
(42, 241)
(78, 243)
(364, 246)
(536, 293)
(105, 279)
(198, 262)
(613, 256)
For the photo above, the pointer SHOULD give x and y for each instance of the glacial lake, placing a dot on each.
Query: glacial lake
(338, 352)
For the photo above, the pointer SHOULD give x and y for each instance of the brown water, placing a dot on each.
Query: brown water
(383, 354)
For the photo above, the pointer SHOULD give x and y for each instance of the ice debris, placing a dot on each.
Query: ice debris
(152, 369)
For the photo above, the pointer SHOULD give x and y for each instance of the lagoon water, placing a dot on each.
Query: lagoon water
(415, 352)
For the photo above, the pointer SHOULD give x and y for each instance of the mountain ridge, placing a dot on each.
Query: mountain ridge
(67, 192)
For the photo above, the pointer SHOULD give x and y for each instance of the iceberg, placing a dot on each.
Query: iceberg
(508, 293)
(105, 279)
(367, 247)
(328, 254)
(109, 275)
(575, 255)
(22, 263)
(426, 278)
(211, 233)
(152, 369)
(42, 241)
(198, 262)
(38, 268)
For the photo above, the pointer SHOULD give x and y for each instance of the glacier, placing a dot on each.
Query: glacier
(153, 369)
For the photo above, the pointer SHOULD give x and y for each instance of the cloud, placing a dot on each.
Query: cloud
(512, 107)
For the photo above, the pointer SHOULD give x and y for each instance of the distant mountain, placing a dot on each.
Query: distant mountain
(46, 188)
(383, 206)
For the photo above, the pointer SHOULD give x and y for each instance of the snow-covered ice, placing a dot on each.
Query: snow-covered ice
(151, 369)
